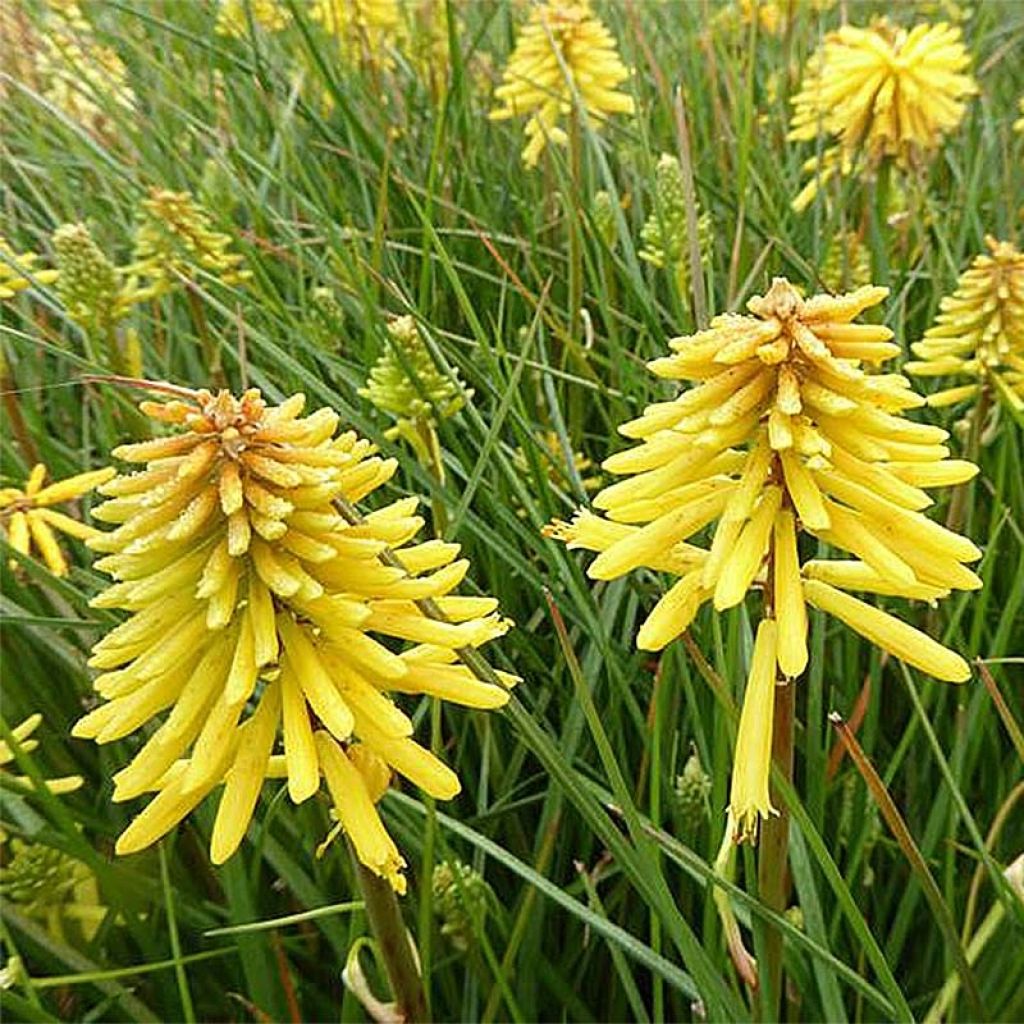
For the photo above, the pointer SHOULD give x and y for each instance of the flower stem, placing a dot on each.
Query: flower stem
(394, 942)
(773, 869)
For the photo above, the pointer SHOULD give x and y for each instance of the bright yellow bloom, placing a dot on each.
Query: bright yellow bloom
(17, 270)
(233, 17)
(979, 332)
(23, 736)
(259, 612)
(172, 239)
(563, 48)
(783, 430)
(362, 29)
(27, 518)
(881, 92)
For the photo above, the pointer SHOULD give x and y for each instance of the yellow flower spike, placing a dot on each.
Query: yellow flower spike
(27, 521)
(881, 92)
(265, 634)
(749, 797)
(362, 29)
(173, 237)
(562, 47)
(979, 332)
(783, 430)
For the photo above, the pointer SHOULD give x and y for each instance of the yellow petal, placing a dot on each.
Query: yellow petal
(790, 612)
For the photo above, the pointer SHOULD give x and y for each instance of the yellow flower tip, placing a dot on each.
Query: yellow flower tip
(562, 51)
(749, 796)
(918, 90)
(248, 583)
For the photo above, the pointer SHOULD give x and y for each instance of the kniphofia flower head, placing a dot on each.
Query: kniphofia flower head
(88, 284)
(24, 738)
(881, 92)
(173, 238)
(28, 519)
(265, 632)
(362, 29)
(233, 16)
(783, 430)
(979, 332)
(563, 47)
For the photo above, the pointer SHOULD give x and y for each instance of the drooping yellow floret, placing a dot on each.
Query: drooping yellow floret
(881, 92)
(263, 618)
(18, 270)
(563, 48)
(23, 737)
(979, 332)
(783, 430)
(28, 519)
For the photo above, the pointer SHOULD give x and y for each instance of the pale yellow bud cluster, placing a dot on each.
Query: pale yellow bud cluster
(979, 332)
(783, 430)
(563, 48)
(265, 632)
(881, 92)
(88, 284)
(173, 239)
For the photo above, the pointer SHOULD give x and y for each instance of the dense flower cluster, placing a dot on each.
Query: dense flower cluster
(80, 76)
(28, 518)
(881, 92)
(783, 430)
(362, 29)
(847, 263)
(979, 332)
(172, 239)
(665, 236)
(88, 285)
(286, 623)
(563, 48)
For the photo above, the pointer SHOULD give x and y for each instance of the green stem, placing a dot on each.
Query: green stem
(394, 943)
(960, 502)
(211, 350)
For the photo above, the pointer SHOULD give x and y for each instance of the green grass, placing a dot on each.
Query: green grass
(403, 202)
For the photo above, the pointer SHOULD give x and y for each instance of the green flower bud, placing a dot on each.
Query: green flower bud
(87, 285)
(847, 263)
(461, 896)
(692, 790)
(602, 209)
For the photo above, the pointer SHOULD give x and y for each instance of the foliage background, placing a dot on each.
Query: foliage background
(401, 199)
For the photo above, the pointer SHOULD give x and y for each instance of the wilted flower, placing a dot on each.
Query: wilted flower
(665, 235)
(80, 76)
(461, 898)
(782, 431)
(260, 611)
(27, 518)
(362, 29)
(233, 16)
(23, 737)
(882, 93)
(979, 332)
(563, 48)
(406, 383)
(53, 887)
(847, 263)
(18, 270)
(172, 239)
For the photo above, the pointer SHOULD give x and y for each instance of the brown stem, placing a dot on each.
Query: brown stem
(394, 942)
